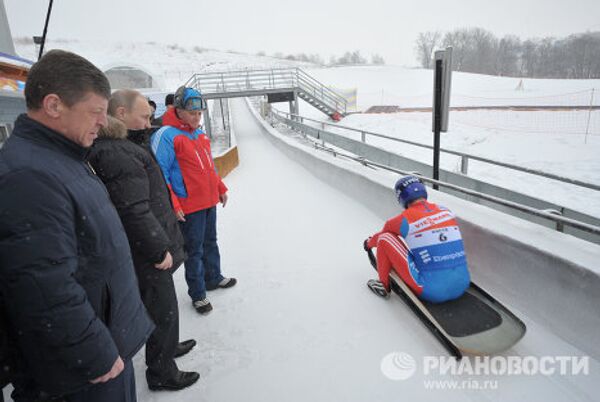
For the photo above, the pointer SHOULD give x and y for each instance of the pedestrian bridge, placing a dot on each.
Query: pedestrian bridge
(279, 84)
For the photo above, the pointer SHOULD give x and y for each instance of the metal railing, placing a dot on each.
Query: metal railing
(550, 215)
(277, 79)
(220, 125)
(526, 207)
(464, 157)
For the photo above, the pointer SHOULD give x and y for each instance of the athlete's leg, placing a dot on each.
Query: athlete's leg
(393, 253)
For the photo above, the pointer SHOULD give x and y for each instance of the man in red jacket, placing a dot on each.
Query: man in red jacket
(183, 153)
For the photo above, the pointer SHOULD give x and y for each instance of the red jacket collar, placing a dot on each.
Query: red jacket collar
(170, 119)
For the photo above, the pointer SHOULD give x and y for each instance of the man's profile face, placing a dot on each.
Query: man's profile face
(190, 117)
(81, 122)
(138, 118)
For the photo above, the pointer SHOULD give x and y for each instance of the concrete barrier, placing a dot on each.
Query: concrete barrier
(227, 161)
(376, 153)
(547, 277)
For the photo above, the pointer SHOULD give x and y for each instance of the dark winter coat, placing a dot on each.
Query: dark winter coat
(66, 271)
(138, 190)
(6, 350)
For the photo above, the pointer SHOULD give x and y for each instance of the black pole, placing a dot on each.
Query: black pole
(222, 113)
(437, 121)
(45, 29)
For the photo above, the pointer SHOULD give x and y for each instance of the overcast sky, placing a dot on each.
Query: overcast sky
(386, 27)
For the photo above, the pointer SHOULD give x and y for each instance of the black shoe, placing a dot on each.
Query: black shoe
(184, 347)
(224, 284)
(181, 380)
(203, 306)
(378, 288)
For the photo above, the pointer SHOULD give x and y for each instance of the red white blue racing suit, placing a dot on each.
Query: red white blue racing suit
(424, 246)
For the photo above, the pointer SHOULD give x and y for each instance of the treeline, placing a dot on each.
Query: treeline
(476, 50)
(348, 58)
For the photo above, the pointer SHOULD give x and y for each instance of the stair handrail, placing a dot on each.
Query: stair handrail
(274, 78)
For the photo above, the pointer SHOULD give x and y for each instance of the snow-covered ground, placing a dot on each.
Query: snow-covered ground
(170, 65)
(551, 141)
(406, 87)
(301, 325)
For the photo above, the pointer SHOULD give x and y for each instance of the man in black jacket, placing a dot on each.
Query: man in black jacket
(137, 188)
(73, 306)
(158, 121)
(6, 352)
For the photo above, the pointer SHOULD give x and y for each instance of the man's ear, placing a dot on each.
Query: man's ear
(52, 105)
(120, 113)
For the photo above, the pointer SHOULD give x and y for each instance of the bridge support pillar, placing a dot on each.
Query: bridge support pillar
(207, 123)
(294, 109)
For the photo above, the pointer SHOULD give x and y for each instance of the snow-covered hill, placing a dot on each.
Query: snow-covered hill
(170, 64)
(551, 141)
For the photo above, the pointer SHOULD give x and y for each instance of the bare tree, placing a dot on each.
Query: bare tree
(507, 56)
(477, 50)
(481, 55)
(460, 41)
(426, 43)
(377, 60)
(582, 51)
(529, 58)
(547, 63)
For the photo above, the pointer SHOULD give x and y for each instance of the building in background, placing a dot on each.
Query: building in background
(13, 73)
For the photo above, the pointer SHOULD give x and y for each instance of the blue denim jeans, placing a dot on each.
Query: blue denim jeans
(203, 264)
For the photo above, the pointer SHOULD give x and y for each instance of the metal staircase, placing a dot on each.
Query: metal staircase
(232, 84)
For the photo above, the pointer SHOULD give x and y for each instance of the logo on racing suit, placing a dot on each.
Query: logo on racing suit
(425, 256)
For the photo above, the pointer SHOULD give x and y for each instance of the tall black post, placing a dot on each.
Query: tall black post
(437, 120)
(45, 29)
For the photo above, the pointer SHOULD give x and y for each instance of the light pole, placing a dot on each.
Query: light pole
(43, 40)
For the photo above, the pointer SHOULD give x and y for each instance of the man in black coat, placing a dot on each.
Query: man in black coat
(6, 352)
(158, 121)
(73, 306)
(138, 190)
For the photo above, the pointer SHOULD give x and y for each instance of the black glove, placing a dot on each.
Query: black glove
(365, 246)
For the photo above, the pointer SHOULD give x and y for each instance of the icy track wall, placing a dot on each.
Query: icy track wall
(550, 277)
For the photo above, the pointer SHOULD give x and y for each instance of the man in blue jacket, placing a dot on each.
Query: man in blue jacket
(72, 303)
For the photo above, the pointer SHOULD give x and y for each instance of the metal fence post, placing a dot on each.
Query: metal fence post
(587, 129)
(363, 136)
(464, 164)
(207, 125)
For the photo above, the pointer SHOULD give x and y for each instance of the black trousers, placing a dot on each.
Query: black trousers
(158, 294)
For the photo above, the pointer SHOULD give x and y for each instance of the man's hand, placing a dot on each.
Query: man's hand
(180, 216)
(223, 198)
(366, 244)
(113, 373)
(166, 263)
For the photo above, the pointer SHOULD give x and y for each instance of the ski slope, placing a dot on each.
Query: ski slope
(301, 325)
